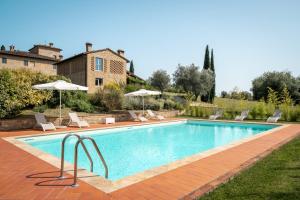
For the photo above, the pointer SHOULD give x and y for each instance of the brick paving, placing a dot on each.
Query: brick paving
(23, 176)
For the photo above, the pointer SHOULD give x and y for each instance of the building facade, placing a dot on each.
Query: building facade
(40, 58)
(95, 68)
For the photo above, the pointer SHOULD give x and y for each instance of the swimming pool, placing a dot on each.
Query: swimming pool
(134, 149)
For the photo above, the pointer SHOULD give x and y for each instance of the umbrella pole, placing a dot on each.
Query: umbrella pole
(143, 106)
(59, 107)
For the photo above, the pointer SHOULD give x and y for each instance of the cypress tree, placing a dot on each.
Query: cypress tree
(212, 67)
(206, 64)
(131, 68)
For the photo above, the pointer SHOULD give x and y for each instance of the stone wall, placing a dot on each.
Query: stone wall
(29, 122)
(109, 73)
(38, 65)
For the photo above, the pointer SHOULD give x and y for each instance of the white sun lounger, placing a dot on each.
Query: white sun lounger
(243, 116)
(75, 121)
(42, 122)
(137, 118)
(218, 114)
(155, 116)
(276, 116)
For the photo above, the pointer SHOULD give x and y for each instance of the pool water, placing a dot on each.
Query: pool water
(130, 150)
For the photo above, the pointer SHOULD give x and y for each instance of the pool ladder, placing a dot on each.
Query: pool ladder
(80, 140)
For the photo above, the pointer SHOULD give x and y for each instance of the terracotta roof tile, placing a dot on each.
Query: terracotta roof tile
(85, 53)
(27, 55)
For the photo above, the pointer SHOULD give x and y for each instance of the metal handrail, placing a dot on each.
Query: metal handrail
(63, 153)
(80, 141)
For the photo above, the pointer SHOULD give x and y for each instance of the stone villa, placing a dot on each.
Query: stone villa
(41, 58)
(94, 68)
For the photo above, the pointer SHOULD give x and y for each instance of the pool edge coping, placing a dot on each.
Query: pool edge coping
(109, 186)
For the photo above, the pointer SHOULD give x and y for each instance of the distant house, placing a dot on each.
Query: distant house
(41, 58)
(134, 79)
(94, 68)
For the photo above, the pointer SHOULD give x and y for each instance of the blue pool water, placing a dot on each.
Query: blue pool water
(130, 150)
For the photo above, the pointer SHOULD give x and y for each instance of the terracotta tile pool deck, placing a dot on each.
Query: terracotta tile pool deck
(24, 176)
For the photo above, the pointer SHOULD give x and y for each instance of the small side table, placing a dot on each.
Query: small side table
(109, 120)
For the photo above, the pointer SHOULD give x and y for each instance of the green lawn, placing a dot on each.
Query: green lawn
(275, 177)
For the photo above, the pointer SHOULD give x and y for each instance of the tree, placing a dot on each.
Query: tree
(204, 83)
(277, 81)
(235, 93)
(131, 68)
(272, 97)
(224, 94)
(286, 97)
(16, 92)
(206, 64)
(246, 95)
(212, 93)
(160, 79)
(190, 79)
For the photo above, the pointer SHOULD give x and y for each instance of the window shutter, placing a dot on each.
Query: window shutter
(116, 67)
(105, 65)
(93, 63)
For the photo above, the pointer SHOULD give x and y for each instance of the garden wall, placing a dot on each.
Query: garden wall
(29, 121)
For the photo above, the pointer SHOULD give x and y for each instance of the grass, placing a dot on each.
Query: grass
(275, 177)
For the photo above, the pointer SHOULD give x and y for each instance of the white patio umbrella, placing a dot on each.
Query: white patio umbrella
(142, 93)
(59, 85)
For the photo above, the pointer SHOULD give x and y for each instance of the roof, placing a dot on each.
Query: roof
(95, 51)
(133, 75)
(27, 55)
(45, 46)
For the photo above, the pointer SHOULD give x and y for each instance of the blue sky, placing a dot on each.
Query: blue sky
(248, 38)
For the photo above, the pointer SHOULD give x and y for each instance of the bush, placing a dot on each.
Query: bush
(132, 104)
(295, 114)
(40, 109)
(110, 97)
(76, 100)
(285, 109)
(16, 91)
(134, 87)
(258, 110)
(169, 104)
(198, 111)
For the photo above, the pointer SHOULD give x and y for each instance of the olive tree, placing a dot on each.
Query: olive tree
(191, 79)
(277, 81)
(160, 79)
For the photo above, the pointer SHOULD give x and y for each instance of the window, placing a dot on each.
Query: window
(99, 81)
(32, 63)
(99, 64)
(4, 60)
(25, 62)
(55, 67)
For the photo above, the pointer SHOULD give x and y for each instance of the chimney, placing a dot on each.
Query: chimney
(12, 48)
(121, 52)
(88, 47)
(51, 44)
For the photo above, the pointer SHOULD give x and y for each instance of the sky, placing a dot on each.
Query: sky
(248, 37)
